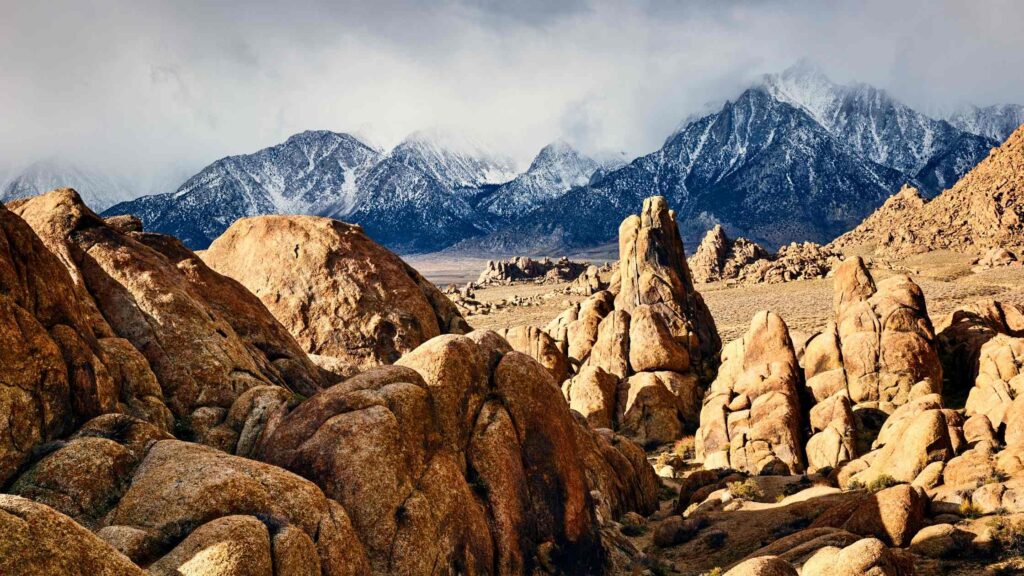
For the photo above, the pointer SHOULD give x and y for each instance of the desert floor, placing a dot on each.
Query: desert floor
(806, 305)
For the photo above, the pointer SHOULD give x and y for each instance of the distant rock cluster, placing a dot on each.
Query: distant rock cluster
(719, 258)
(526, 269)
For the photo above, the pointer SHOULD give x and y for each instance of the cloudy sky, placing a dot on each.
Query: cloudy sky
(163, 88)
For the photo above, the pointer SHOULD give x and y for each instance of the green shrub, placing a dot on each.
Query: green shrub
(882, 482)
(746, 490)
(1008, 536)
(633, 530)
(969, 510)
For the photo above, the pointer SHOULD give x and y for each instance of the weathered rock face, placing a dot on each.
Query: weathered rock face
(166, 502)
(653, 272)
(206, 339)
(999, 384)
(751, 418)
(590, 281)
(834, 431)
(881, 347)
(960, 343)
(463, 455)
(334, 289)
(867, 556)
(541, 347)
(60, 363)
(654, 337)
(38, 541)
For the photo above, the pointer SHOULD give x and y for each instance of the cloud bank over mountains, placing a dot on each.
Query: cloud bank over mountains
(155, 87)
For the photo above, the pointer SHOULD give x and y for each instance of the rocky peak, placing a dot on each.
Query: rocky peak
(653, 272)
(984, 209)
(454, 161)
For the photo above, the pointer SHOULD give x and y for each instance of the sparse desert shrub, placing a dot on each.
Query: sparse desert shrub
(882, 482)
(633, 530)
(746, 490)
(1008, 536)
(994, 477)
(684, 448)
(716, 571)
(969, 510)
(855, 485)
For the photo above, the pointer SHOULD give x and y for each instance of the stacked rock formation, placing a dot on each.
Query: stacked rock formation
(339, 294)
(644, 348)
(464, 458)
(985, 209)
(719, 258)
(960, 343)
(997, 257)
(751, 418)
(590, 282)
(524, 268)
(880, 353)
(794, 261)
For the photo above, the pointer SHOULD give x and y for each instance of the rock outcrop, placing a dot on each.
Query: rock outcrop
(880, 349)
(463, 455)
(653, 272)
(653, 335)
(751, 418)
(794, 261)
(961, 342)
(526, 269)
(205, 338)
(60, 362)
(719, 258)
(335, 290)
(740, 260)
(984, 210)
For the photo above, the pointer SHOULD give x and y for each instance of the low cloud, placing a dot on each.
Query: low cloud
(149, 88)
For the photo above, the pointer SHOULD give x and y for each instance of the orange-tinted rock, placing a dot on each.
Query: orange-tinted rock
(339, 293)
(751, 417)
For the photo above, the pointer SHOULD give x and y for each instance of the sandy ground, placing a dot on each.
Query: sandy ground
(806, 305)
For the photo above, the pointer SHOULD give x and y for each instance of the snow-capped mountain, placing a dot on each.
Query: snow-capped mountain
(555, 170)
(996, 122)
(99, 191)
(315, 172)
(760, 166)
(933, 153)
(455, 162)
(795, 157)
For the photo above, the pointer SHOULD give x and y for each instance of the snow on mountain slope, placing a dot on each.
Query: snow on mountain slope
(880, 128)
(760, 166)
(996, 122)
(99, 191)
(455, 162)
(555, 170)
(315, 172)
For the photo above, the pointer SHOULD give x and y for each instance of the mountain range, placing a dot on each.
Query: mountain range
(794, 157)
(97, 189)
